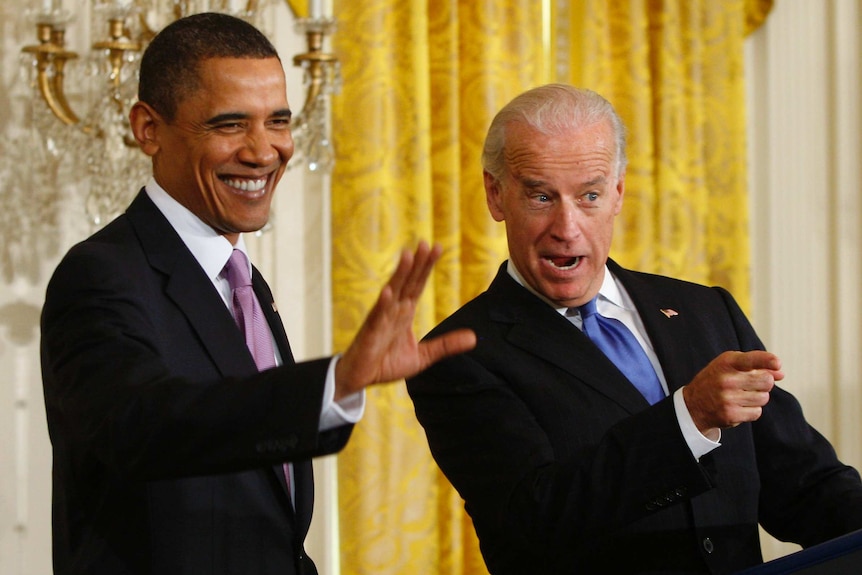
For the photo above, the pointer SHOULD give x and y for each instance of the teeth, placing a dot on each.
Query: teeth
(247, 185)
(568, 267)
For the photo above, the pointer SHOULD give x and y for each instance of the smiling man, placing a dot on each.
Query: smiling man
(182, 428)
(611, 421)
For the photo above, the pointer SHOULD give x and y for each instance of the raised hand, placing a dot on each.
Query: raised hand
(731, 389)
(385, 348)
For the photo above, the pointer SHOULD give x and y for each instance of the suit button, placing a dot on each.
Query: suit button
(707, 545)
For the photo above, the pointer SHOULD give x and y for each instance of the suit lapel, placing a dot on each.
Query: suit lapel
(273, 318)
(667, 325)
(189, 287)
(538, 329)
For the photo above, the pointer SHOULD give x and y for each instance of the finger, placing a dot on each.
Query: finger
(744, 415)
(757, 359)
(755, 380)
(448, 344)
(754, 399)
(402, 272)
(424, 259)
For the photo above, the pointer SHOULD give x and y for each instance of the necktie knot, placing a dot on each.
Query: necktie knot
(588, 309)
(236, 270)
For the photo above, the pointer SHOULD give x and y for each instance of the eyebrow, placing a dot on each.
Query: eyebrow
(283, 113)
(595, 181)
(235, 116)
(532, 183)
(222, 118)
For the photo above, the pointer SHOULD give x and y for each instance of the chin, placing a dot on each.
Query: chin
(253, 223)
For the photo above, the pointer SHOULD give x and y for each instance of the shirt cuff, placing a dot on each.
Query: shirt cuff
(697, 442)
(345, 411)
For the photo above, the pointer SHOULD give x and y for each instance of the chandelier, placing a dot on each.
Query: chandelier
(77, 129)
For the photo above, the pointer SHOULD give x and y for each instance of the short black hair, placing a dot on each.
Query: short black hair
(169, 66)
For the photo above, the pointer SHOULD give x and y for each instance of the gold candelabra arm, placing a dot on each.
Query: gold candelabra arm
(117, 45)
(315, 65)
(310, 127)
(58, 83)
(315, 61)
(51, 58)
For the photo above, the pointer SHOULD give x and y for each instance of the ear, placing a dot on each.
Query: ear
(494, 196)
(620, 189)
(144, 121)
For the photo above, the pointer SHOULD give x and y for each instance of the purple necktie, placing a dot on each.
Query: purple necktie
(252, 324)
(247, 312)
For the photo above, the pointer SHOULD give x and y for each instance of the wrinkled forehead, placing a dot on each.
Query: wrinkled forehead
(588, 149)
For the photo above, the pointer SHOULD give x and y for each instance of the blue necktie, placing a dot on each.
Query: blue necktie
(622, 348)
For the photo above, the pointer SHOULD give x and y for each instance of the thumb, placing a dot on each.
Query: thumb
(446, 345)
(757, 359)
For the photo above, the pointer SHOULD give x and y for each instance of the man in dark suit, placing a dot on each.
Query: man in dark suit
(173, 453)
(564, 465)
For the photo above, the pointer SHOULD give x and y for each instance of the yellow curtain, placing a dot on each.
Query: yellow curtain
(674, 70)
(422, 79)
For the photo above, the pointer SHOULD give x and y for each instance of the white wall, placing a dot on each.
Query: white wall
(806, 189)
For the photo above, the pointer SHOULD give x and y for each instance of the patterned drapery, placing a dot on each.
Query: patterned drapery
(422, 79)
(674, 70)
(421, 82)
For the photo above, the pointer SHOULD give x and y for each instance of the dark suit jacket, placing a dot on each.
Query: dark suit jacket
(565, 468)
(167, 442)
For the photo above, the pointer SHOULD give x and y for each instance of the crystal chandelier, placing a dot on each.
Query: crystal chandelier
(95, 148)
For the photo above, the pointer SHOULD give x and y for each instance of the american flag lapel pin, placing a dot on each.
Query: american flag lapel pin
(669, 312)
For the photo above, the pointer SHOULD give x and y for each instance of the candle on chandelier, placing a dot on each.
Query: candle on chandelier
(315, 9)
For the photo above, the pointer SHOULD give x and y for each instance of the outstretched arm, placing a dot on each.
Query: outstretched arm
(385, 348)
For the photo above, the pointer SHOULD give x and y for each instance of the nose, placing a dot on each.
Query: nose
(260, 147)
(566, 223)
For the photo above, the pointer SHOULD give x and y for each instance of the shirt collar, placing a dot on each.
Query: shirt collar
(209, 248)
(610, 291)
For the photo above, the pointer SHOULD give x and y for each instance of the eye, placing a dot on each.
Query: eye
(229, 127)
(279, 123)
(539, 200)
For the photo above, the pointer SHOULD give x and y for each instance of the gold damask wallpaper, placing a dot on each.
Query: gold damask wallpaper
(422, 79)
